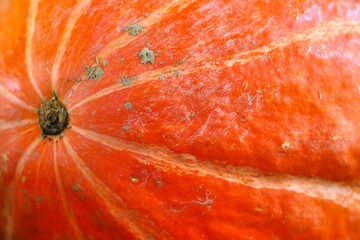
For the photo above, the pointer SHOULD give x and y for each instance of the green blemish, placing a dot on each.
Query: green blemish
(243, 46)
(127, 81)
(126, 128)
(159, 183)
(146, 56)
(177, 73)
(162, 76)
(253, 43)
(128, 105)
(94, 72)
(182, 61)
(76, 187)
(104, 62)
(133, 29)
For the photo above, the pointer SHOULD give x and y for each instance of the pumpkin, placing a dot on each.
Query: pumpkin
(179, 119)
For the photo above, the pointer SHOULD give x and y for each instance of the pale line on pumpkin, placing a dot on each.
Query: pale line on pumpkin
(19, 135)
(346, 195)
(68, 212)
(116, 206)
(69, 28)
(4, 125)
(153, 18)
(9, 206)
(30, 29)
(12, 98)
(321, 32)
(125, 39)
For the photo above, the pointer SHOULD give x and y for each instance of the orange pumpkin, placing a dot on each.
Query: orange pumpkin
(180, 119)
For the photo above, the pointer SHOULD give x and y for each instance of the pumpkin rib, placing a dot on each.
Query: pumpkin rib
(322, 32)
(154, 18)
(65, 38)
(343, 193)
(141, 228)
(30, 30)
(10, 194)
(126, 39)
(67, 209)
(20, 134)
(12, 98)
(260, 142)
(18, 123)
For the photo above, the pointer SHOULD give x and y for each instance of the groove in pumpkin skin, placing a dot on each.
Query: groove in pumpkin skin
(322, 32)
(68, 212)
(75, 15)
(141, 228)
(12, 98)
(10, 194)
(30, 29)
(344, 194)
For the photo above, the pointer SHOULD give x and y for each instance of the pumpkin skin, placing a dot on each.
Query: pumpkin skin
(246, 126)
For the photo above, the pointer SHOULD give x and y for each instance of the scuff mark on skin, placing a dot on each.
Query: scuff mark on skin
(207, 202)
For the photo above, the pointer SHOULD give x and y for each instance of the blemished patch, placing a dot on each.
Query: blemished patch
(147, 56)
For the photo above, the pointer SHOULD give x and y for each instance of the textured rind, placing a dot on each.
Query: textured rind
(246, 126)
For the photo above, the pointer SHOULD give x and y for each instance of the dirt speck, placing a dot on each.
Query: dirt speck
(133, 29)
(127, 81)
(286, 146)
(162, 76)
(76, 187)
(147, 56)
(134, 179)
(94, 72)
(126, 128)
(128, 105)
(177, 73)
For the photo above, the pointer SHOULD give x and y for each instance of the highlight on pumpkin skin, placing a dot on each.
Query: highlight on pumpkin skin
(67, 209)
(321, 32)
(141, 228)
(10, 194)
(344, 195)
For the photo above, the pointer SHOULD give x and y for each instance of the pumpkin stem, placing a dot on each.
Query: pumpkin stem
(53, 117)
